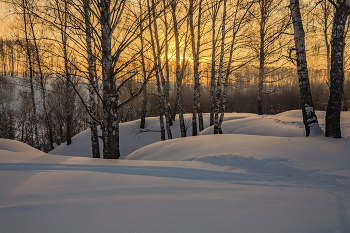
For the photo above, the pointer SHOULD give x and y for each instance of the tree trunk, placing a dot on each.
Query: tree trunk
(161, 106)
(167, 71)
(29, 58)
(143, 65)
(49, 132)
(220, 75)
(334, 106)
(110, 96)
(178, 71)
(68, 96)
(195, 51)
(262, 56)
(309, 116)
(213, 70)
(92, 86)
(160, 71)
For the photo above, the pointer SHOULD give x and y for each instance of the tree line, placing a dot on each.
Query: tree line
(89, 63)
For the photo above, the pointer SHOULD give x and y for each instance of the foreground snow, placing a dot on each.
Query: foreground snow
(236, 182)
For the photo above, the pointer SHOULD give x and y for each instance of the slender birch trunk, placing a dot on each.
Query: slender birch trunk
(309, 116)
(263, 16)
(220, 75)
(178, 70)
(155, 60)
(195, 70)
(224, 94)
(143, 65)
(68, 109)
(199, 104)
(213, 66)
(325, 34)
(160, 71)
(92, 82)
(195, 52)
(167, 71)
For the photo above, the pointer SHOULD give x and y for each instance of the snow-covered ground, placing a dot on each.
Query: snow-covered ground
(262, 175)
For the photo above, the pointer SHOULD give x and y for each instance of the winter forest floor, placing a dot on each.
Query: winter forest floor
(262, 175)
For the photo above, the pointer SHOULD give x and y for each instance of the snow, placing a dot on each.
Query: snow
(262, 175)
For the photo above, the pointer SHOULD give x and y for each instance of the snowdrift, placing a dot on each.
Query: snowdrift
(16, 146)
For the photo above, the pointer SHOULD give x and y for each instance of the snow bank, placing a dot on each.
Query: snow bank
(16, 146)
(131, 137)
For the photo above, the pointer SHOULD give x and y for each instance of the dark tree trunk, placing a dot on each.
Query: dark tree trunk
(110, 96)
(262, 56)
(334, 106)
(143, 65)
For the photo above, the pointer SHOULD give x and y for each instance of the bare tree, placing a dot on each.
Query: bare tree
(309, 116)
(195, 51)
(179, 73)
(334, 107)
(93, 89)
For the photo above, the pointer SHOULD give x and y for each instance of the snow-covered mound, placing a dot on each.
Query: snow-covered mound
(16, 146)
(286, 124)
(131, 137)
(313, 152)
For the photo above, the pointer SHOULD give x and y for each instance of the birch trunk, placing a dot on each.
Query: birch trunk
(110, 96)
(161, 107)
(220, 75)
(178, 71)
(143, 65)
(309, 116)
(213, 72)
(334, 106)
(263, 16)
(195, 52)
(227, 75)
(164, 84)
(68, 109)
(167, 71)
(92, 83)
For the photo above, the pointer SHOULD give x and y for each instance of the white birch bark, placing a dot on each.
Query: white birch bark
(160, 71)
(92, 83)
(220, 75)
(309, 116)
(178, 70)
(334, 107)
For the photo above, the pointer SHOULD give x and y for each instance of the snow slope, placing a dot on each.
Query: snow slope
(236, 182)
(131, 138)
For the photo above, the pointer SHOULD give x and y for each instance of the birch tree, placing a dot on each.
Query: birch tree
(214, 10)
(220, 74)
(93, 89)
(196, 43)
(179, 73)
(309, 116)
(334, 107)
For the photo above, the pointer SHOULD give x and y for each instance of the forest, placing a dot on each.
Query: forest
(70, 65)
